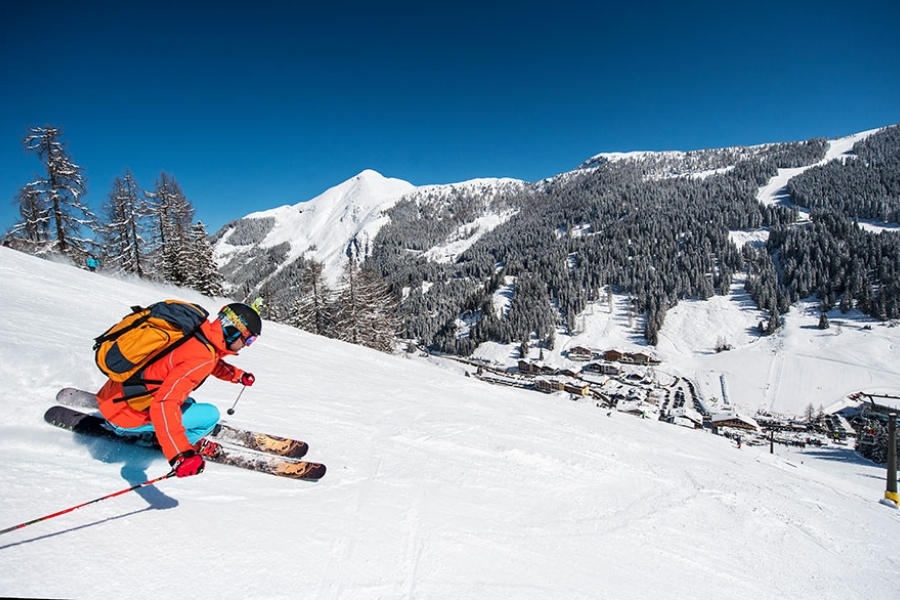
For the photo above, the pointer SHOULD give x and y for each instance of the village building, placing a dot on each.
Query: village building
(526, 366)
(687, 417)
(603, 367)
(548, 385)
(580, 353)
(643, 358)
(562, 384)
(735, 420)
(613, 355)
(594, 378)
(579, 388)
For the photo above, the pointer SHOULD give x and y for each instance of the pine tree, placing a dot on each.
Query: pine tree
(53, 203)
(348, 319)
(172, 215)
(202, 272)
(124, 246)
(524, 349)
(872, 441)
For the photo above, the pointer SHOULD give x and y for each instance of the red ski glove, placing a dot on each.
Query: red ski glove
(187, 464)
(248, 379)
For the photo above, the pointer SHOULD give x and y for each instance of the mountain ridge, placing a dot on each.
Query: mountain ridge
(661, 227)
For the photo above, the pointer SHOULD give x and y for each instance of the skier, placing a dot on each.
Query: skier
(179, 422)
(92, 263)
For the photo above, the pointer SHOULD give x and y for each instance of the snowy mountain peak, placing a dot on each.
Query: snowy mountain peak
(368, 188)
(341, 221)
(343, 218)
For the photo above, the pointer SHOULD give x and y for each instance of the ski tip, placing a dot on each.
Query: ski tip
(64, 393)
(303, 470)
(70, 396)
(55, 411)
(320, 473)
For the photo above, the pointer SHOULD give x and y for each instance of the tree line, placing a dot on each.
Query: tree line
(644, 227)
(360, 309)
(147, 233)
(833, 258)
(651, 228)
(872, 440)
(655, 227)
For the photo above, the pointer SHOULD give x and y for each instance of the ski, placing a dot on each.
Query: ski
(258, 461)
(76, 398)
(213, 451)
(262, 442)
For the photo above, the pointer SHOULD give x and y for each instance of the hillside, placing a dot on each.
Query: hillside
(657, 228)
(438, 485)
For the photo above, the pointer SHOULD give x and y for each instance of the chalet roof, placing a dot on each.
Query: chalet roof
(735, 416)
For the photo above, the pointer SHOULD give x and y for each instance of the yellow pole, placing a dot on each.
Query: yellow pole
(891, 490)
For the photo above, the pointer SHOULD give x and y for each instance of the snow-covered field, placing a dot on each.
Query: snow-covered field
(439, 485)
(800, 366)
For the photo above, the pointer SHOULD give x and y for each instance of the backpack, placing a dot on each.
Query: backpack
(145, 336)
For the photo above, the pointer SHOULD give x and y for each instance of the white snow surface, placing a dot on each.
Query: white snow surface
(439, 485)
(466, 236)
(800, 365)
(775, 191)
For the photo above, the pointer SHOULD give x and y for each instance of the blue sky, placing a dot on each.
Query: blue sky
(255, 105)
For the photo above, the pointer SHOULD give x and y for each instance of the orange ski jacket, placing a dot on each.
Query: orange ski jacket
(181, 372)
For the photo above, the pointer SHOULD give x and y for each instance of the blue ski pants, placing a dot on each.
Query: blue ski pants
(198, 419)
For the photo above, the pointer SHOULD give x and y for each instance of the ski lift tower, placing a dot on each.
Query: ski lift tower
(890, 493)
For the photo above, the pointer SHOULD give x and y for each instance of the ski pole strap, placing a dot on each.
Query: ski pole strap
(68, 510)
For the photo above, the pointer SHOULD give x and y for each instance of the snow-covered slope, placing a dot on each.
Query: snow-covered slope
(347, 217)
(439, 486)
(799, 366)
(775, 191)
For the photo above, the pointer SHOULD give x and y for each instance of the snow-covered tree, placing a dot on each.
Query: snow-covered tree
(52, 204)
(366, 310)
(313, 309)
(202, 273)
(873, 440)
(172, 216)
(34, 227)
(124, 247)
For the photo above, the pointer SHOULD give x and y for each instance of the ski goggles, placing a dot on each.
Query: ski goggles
(238, 324)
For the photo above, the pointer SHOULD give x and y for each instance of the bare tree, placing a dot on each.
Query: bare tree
(313, 309)
(53, 203)
(366, 310)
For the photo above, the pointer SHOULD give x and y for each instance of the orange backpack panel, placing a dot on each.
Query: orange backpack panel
(146, 335)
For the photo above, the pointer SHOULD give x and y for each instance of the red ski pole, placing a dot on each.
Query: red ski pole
(68, 510)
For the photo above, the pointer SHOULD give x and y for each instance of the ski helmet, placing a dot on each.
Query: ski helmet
(240, 321)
